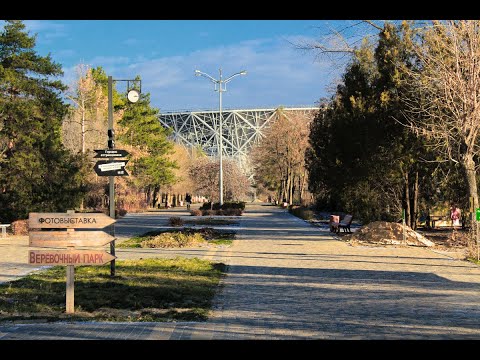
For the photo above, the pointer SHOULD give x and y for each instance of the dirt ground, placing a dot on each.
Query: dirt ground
(447, 238)
(454, 243)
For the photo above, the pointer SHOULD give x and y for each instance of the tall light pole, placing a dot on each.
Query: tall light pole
(220, 86)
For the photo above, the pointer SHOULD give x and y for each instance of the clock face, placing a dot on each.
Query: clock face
(133, 96)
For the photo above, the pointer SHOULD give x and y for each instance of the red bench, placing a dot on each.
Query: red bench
(343, 224)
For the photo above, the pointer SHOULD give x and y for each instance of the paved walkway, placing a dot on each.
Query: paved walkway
(290, 280)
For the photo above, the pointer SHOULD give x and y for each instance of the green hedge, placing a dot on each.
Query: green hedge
(226, 206)
(301, 212)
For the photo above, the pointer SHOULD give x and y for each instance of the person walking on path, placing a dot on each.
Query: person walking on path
(455, 215)
(188, 200)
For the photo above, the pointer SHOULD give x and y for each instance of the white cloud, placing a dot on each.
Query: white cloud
(47, 30)
(105, 61)
(277, 74)
(65, 53)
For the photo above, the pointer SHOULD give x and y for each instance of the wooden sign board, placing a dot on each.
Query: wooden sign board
(69, 221)
(66, 238)
(68, 257)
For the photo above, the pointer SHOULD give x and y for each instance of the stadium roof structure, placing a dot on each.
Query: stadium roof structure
(242, 128)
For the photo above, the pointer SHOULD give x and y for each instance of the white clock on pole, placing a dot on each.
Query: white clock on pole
(133, 96)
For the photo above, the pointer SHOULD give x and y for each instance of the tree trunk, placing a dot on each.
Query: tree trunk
(290, 187)
(302, 188)
(415, 203)
(279, 193)
(407, 199)
(155, 197)
(469, 167)
(147, 196)
(283, 191)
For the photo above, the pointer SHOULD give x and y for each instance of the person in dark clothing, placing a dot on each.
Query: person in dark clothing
(188, 200)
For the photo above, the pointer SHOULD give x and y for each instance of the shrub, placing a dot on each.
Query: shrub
(307, 214)
(302, 213)
(209, 212)
(168, 240)
(234, 205)
(118, 213)
(20, 227)
(228, 212)
(292, 207)
(207, 205)
(196, 212)
(175, 221)
(233, 212)
(225, 206)
(219, 212)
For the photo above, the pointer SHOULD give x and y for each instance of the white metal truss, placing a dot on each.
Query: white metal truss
(241, 128)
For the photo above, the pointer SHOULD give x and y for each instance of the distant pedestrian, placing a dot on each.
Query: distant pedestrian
(188, 200)
(455, 215)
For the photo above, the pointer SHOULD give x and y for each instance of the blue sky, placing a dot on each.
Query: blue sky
(165, 54)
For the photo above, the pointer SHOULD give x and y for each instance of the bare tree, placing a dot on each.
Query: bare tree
(444, 102)
(280, 157)
(204, 174)
(337, 41)
(183, 182)
(88, 114)
(237, 185)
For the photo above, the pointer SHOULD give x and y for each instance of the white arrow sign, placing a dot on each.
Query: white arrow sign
(111, 166)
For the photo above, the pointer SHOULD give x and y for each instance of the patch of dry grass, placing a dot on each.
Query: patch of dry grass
(142, 290)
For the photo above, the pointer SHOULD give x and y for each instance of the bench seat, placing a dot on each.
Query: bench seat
(343, 224)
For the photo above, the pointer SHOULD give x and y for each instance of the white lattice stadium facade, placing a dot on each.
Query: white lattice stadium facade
(242, 129)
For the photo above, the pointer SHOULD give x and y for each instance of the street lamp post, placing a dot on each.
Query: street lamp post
(133, 96)
(220, 86)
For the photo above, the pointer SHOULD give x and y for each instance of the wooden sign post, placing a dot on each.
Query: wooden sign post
(66, 238)
(70, 287)
(69, 239)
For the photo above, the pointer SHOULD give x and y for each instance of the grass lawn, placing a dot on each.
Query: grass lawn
(182, 237)
(474, 260)
(142, 290)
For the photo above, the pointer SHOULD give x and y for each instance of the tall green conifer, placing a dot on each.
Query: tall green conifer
(36, 172)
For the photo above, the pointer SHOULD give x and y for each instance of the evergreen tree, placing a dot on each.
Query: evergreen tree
(362, 160)
(140, 128)
(36, 172)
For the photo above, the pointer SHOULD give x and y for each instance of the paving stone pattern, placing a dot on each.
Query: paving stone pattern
(290, 280)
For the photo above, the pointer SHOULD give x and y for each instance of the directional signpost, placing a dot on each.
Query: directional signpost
(69, 220)
(111, 168)
(69, 257)
(110, 153)
(63, 238)
(69, 238)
